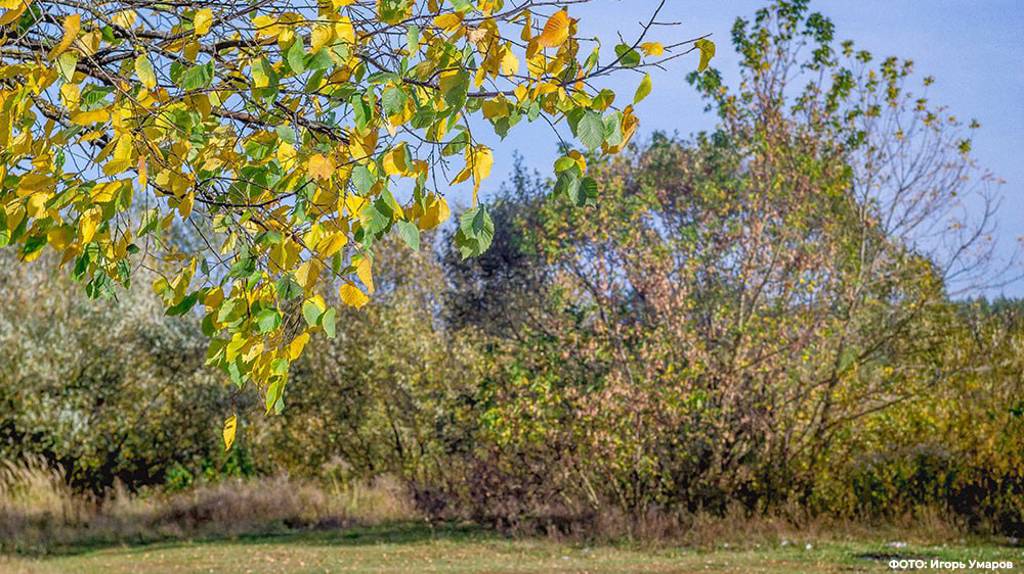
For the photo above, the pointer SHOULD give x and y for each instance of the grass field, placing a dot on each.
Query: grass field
(465, 549)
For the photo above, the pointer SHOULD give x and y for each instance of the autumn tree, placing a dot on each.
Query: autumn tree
(284, 139)
(741, 312)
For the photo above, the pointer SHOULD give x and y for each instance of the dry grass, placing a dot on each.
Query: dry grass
(741, 529)
(39, 513)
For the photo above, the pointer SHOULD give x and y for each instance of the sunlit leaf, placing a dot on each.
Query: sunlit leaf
(707, 51)
(230, 426)
(556, 30)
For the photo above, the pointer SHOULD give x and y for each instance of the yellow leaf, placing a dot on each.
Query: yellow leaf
(495, 109)
(15, 12)
(320, 167)
(355, 204)
(449, 22)
(707, 51)
(580, 160)
(643, 90)
(144, 70)
(266, 26)
(652, 48)
(537, 64)
(286, 155)
(483, 161)
(70, 94)
(629, 125)
(344, 31)
(185, 205)
(203, 21)
(297, 345)
(106, 192)
(230, 425)
(556, 30)
(363, 145)
(331, 244)
(34, 183)
(352, 296)
(124, 18)
(88, 223)
(509, 63)
(214, 298)
(364, 270)
(122, 159)
(91, 117)
(36, 205)
(143, 172)
(437, 212)
(463, 175)
(59, 237)
(521, 92)
(321, 36)
(341, 3)
(72, 25)
(308, 273)
(395, 161)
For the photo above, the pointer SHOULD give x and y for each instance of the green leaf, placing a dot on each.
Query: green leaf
(328, 320)
(32, 244)
(588, 191)
(375, 217)
(311, 313)
(457, 90)
(66, 63)
(94, 97)
(183, 306)
(193, 78)
(565, 163)
(287, 133)
(613, 129)
(643, 90)
(268, 320)
(321, 60)
(287, 287)
(393, 101)
(568, 184)
(590, 130)
(244, 267)
(476, 232)
(231, 310)
(363, 179)
(275, 390)
(260, 71)
(409, 233)
(412, 39)
(627, 56)
(296, 56)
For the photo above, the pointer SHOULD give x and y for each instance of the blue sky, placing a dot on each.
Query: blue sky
(973, 48)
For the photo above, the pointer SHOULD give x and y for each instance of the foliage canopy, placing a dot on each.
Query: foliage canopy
(253, 152)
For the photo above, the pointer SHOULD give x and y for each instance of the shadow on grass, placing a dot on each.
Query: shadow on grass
(388, 533)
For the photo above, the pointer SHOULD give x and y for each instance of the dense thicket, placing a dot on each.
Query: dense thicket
(763, 316)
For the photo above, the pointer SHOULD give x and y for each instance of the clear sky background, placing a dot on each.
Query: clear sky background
(975, 50)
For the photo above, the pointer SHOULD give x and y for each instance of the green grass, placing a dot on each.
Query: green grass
(415, 548)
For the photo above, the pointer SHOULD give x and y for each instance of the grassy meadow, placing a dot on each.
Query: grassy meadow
(409, 547)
